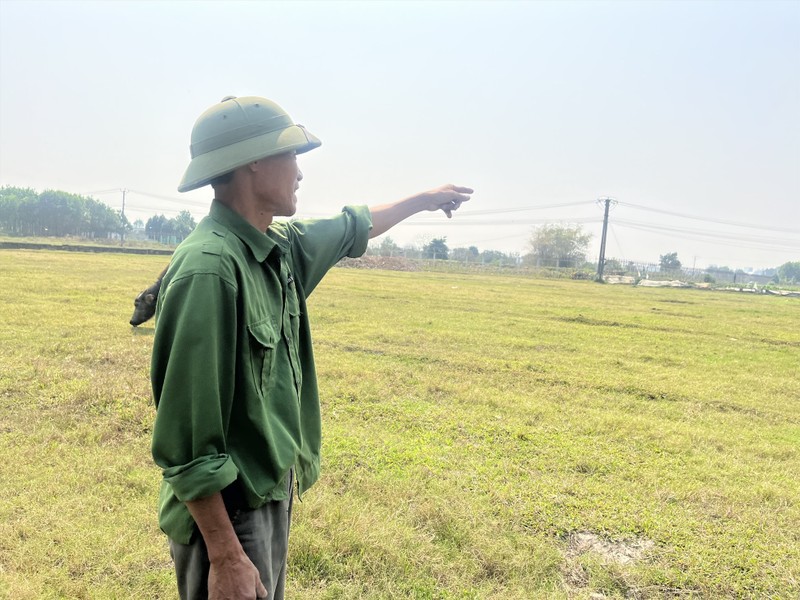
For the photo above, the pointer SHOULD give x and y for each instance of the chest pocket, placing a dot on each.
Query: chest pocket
(263, 340)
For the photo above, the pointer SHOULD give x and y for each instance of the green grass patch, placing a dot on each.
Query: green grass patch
(484, 437)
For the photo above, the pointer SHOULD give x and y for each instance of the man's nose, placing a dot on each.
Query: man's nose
(299, 175)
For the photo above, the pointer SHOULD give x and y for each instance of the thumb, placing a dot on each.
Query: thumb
(261, 591)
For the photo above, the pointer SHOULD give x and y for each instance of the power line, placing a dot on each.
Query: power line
(108, 191)
(464, 219)
(732, 240)
(614, 233)
(462, 214)
(708, 219)
(495, 239)
(185, 201)
(713, 234)
(461, 222)
(469, 213)
(148, 209)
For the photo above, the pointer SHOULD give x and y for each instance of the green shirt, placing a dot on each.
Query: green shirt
(232, 369)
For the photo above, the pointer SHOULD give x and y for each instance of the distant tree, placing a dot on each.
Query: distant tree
(102, 221)
(183, 225)
(16, 205)
(412, 251)
(558, 246)
(459, 254)
(168, 232)
(156, 227)
(125, 226)
(719, 269)
(489, 257)
(613, 267)
(387, 247)
(56, 213)
(669, 262)
(60, 213)
(436, 248)
(462, 254)
(789, 272)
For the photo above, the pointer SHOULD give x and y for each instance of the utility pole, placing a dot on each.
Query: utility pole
(122, 234)
(601, 262)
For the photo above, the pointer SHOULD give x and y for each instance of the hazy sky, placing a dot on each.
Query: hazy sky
(687, 113)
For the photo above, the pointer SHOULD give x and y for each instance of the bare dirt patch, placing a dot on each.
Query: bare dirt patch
(597, 566)
(621, 552)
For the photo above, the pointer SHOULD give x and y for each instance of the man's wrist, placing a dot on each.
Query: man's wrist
(417, 204)
(225, 554)
(222, 544)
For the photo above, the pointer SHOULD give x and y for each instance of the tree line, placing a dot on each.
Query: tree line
(560, 247)
(437, 249)
(555, 246)
(53, 213)
(24, 212)
(169, 231)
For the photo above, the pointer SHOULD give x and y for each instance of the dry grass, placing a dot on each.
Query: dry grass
(485, 437)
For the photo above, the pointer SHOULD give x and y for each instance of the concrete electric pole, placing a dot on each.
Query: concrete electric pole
(122, 235)
(602, 261)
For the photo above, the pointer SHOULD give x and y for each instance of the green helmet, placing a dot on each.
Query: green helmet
(238, 131)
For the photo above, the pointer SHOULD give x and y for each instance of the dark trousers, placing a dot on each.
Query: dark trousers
(264, 535)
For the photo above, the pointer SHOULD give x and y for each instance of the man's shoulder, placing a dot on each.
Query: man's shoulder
(210, 249)
(281, 231)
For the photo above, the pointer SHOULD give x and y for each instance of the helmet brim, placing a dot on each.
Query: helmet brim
(209, 165)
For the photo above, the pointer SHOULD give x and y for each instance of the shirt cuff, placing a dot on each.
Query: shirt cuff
(362, 220)
(202, 477)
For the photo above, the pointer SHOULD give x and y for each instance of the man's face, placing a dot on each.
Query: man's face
(277, 180)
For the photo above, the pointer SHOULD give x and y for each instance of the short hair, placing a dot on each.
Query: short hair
(223, 179)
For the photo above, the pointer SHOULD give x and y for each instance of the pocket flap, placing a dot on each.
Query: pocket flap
(264, 333)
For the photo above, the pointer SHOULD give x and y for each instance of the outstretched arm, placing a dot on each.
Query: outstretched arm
(446, 198)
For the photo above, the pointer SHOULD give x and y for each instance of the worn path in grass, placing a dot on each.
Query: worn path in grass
(484, 437)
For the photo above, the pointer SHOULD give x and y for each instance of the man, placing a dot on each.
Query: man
(238, 416)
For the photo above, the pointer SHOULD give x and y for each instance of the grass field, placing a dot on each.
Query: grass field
(484, 437)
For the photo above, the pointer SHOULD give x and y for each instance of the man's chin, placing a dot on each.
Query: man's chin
(289, 210)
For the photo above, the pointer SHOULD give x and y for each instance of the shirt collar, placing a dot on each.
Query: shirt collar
(260, 245)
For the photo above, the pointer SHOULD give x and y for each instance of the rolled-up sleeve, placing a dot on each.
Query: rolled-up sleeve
(319, 244)
(192, 374)
(201, 477)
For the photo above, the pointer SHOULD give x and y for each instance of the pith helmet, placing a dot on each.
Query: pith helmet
(237, 131)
